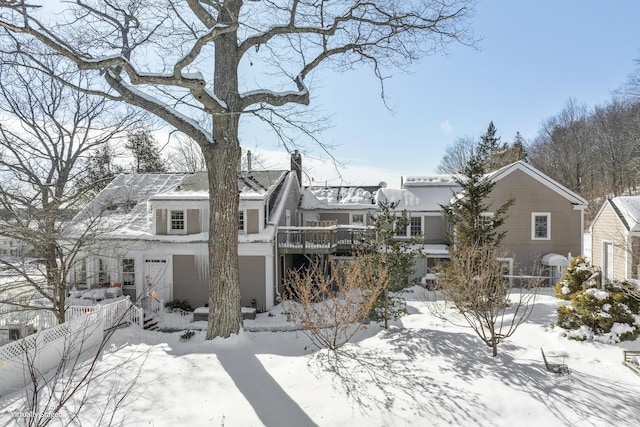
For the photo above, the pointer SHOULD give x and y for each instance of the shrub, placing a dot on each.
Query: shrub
(187, 335)
(330, 309)
(178, 304)
(608, 315)
(575, 278)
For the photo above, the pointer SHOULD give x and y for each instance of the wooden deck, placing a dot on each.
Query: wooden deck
(319, 240)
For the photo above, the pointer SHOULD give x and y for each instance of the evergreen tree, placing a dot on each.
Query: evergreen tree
(471, 218)
(490, 150)
(100, 170)
(146, 154)
(473, 279)
(388, 248)
(518, 148)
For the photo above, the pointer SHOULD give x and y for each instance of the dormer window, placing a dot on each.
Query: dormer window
(177, 222)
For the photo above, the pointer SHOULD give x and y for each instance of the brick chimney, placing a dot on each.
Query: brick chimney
(296, 165)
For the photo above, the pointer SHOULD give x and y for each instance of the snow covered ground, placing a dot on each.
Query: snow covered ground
(421, 372)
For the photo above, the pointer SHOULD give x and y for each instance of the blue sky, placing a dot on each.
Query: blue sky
(533, 57)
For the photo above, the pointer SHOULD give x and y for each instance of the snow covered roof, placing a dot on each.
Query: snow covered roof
(429, 180)
(121, 207)
(425, 198)
(628, 210)
(250, 184)
(339, 198)
(122, 210)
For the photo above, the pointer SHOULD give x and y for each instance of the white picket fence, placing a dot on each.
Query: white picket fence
(45, 319)
(84, 329)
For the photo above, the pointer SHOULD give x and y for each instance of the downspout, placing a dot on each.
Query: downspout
(276, 261)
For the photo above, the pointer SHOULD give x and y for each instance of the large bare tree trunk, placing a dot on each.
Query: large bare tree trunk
(223, 160)
(225, 317)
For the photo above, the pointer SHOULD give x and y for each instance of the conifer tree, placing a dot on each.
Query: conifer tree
(473, 280)
(389, 248)
(146, 154)
(518, 148)
(472, 219)
(100, 170)
(490, 149)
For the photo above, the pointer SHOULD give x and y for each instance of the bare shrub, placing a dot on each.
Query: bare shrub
(330, 308)
(474, 283)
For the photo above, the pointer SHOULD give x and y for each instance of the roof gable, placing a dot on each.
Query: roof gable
(627, 209)
(534, 173)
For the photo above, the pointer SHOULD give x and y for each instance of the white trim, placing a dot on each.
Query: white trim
(184, 221)
(579, 202)
(242, 230)
(533, 225)
(410, 234)
(609, 268)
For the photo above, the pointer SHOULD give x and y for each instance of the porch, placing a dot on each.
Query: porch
(320, 240)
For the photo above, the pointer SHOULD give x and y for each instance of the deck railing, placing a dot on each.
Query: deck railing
(309, 239)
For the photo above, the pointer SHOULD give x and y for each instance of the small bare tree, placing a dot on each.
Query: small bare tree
(330, 309)
(474, 282)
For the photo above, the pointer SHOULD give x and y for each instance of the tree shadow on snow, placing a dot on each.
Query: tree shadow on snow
(402, 381)
(571, 398)
(271, 403)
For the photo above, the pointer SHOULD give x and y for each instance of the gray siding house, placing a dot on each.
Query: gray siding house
(615, 238)
(155, 228)
(156, 232)
(545, 225)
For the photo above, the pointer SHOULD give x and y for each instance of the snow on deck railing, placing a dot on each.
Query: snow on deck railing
(320, 237)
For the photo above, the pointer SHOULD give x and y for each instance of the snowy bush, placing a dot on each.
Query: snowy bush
(608, 315)
(574, 278)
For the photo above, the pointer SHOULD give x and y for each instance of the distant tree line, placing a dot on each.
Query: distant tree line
(592, 151)
(489, 147)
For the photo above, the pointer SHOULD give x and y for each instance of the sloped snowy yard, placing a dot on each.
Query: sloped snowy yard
(421, 372)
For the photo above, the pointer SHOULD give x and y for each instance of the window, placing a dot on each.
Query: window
(540, 226)
(176, 222)
(103, 273)
(128, 272)
(80, 272)
(357, 219)
(400, 231)
(485, 221)
(415, 225)
(240, 220)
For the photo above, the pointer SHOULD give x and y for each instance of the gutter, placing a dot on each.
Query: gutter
(277, 214)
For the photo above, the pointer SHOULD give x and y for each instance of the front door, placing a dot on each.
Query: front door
(157, 278)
